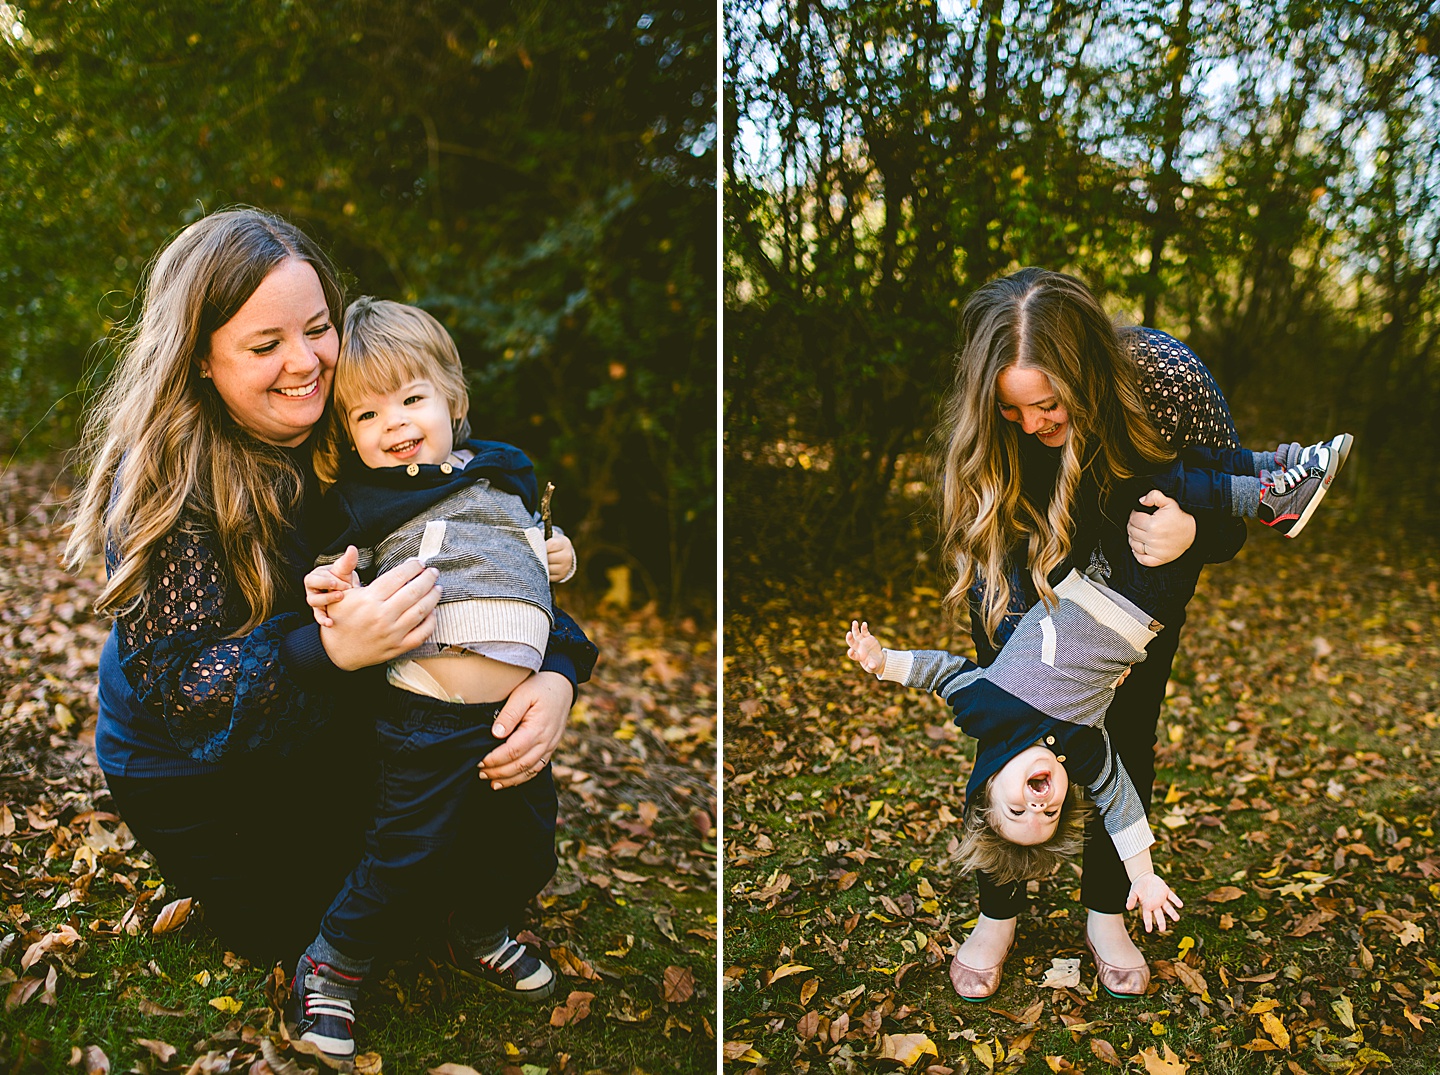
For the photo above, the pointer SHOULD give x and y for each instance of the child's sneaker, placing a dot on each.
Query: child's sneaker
(323, 1007)
(1310, 454)
(509, 967)
(1290, 496)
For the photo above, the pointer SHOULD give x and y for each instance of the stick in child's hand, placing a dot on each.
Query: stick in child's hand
(545, 509)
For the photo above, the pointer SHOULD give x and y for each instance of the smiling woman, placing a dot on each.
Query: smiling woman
(216, 680)
(273, 361)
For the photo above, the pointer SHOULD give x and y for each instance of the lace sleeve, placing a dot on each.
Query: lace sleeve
(217, 696)
(1184, 401)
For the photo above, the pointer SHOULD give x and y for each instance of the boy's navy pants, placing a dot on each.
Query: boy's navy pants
(442, 842)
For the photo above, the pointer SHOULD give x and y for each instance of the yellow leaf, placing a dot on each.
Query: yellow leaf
(1186, 943)
(985, 1053)
(915, 865)
(1344, 1011)
(907, 1048)
(1264, 1004)
(1172, 796)
(787, 969)
(876, 805)
(1276, 1029)
(511, 1050)
(203, 978)
(1157, 1028)
(228, 1005)
(1167, 1063)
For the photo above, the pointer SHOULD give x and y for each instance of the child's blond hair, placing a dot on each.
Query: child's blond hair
(983, 848)
(384, 345)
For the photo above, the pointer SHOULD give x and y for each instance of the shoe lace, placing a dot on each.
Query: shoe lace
(318, 1003)
(506, 958)
(1284, 480)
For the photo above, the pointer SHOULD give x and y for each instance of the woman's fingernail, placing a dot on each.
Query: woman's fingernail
(496, 786)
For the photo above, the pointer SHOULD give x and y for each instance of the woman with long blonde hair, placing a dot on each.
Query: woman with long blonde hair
(1053, 418)
(227, 716)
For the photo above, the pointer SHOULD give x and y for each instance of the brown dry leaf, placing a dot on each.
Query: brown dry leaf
(1061, 1066)
(1192, 978)
(573, 965)
(149, 1007)
(1105, 1052)
(160, 1050)
(369, 1064)
(52, 978)
(1224, 894)
(57, 940)
(807, 990)
(172, 916)
(1166, 1064)
(575, 1008)
(7, 820)
(22, 991)
(95, 1061)
(808, 1025)
(847, 880)
(907, 1048)
(678, 985)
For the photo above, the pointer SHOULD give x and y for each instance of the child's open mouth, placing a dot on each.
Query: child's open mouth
(403, 447)
(1039, 783)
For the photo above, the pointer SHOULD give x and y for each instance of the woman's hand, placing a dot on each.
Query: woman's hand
(384, 620)
(1162, 537)
(534, 718)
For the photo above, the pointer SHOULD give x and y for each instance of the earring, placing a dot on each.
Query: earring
(205, 373)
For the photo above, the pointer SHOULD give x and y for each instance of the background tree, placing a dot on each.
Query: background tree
(1259, 179)
(538, 176)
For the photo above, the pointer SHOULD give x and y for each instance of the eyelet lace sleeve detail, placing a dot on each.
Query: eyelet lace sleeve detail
(217, 696)
(1184, 401)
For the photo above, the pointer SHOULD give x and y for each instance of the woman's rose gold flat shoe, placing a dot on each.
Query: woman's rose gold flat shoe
(1122, 983)
(976, 983)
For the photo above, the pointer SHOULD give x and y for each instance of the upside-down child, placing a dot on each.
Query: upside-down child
(407, 485)
(1038, 713)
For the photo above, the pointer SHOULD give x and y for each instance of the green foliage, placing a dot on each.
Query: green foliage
(541, 178)
(1259, 179)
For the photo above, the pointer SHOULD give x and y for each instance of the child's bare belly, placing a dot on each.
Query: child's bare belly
(475, 678)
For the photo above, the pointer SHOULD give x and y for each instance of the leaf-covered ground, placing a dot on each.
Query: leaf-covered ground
(91, 976)
(1296, 804)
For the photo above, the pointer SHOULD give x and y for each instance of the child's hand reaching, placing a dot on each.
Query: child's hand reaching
(560, 558)
(1156, 899)
(326, 585)
(864, 648)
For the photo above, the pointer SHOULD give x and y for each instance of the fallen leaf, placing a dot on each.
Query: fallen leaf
(22, 991)
(1276, 1029)
(228, 1005)
(807, 990)
(95, 1060)
(1344, 1011)
(1062, 974)
(787, 969)
(573, 965)
(1105, 1052)
(369, 1064)
(57, 940)
(575, 1009)
(149, 1007)
(160, 1050)
(1166, 1064)
(1225, 894)
(907, 1048)
(1061, 1066)
(808, 1025)
(172, 916)
(678, 985)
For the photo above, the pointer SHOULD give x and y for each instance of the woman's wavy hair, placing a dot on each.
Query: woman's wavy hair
(983, 848)
(1050, 322)
(386, 344)
(160, 450)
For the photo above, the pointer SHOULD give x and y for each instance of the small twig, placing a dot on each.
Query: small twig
(545, 509)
